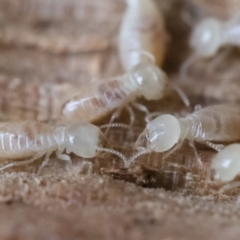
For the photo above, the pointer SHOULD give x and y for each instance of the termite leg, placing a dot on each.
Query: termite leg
(182, 95)
(171, 151)
(31, 160)
(115, 115)
(141, 108)
(131, 115)
(64, 157)
(198, 159)
(151, 116)
(215, 146)
(132, 119)
(44, 163)
(186, 65)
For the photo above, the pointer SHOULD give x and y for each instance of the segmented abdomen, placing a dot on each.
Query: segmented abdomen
(25, 139)
(142, 30)
(93, 103)
(220, 123)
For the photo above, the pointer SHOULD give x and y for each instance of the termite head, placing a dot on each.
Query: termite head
(83, 139)
(206, 37)
(226, 165)
(161, 134)
(151, 80)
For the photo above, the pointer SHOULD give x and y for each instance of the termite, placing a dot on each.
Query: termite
(98, 100)
(225, 167)
(213, 126)
(209, 35)
(142, 30)
(32, 139)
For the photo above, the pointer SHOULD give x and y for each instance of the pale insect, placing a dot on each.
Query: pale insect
(209, 35)
(225, 167)
(94, 102)
(214, 126)
(32, 139)
(142, 31)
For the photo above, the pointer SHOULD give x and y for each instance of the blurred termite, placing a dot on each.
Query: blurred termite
(213, 126)
(142, 31)
(209, 35)
(141, 46)
(32, 139)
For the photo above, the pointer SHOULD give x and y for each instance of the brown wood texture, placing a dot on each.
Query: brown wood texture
(50, 48)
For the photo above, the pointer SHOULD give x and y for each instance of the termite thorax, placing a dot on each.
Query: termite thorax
(59, 135)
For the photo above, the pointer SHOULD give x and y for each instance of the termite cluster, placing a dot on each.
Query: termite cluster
(142, 45)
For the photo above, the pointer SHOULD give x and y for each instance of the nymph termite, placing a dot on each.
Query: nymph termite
(32, 139)
(225, 166)
(142, 30)
(96, 101)
(214, 126)
(209, 35)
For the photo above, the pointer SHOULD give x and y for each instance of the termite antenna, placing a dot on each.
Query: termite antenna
(114, 152)
(208, 177)
(135, 156)
(145, 54)
(198, 159)
(186, 65)
(22, 163)
(182, 95)
(115, 125)
(150, 116)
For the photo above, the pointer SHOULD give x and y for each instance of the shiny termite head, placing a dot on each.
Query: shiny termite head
(160, 135)
(205, 41)
(86, 140)
(225, 166)
(83, 139)
(206, 37)
(151, 80)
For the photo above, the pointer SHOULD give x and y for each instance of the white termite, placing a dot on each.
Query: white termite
(214, 126)
(94, 102)
(142, 31)
(225, 166)
(209, 35)
(141, 42)
(32, 139)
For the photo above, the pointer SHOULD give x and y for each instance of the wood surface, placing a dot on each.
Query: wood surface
(49, 48)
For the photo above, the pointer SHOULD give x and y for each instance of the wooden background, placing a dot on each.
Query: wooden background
(49, 48)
